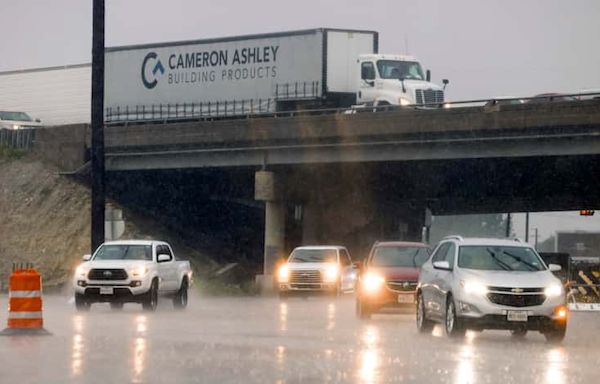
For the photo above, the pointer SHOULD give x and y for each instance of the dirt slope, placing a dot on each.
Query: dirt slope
(45, 219)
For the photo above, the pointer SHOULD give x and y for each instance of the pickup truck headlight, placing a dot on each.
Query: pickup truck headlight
(553, 290)
(82, 271)
(139, 271)
(372, 282)
(283, 274)
(331, 273)
(473, 287)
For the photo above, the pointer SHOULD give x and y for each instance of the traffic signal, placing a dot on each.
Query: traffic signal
(586, 212)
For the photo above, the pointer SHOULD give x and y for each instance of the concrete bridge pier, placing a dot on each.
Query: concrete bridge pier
(267, 188)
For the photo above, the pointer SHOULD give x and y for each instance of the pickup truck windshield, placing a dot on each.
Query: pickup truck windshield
(313, 256)
(14, 116)
(495, 258)
(394, 69)
(399, 256)
(124, 252)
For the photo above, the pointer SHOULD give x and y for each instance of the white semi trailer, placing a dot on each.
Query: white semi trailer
(308, 69)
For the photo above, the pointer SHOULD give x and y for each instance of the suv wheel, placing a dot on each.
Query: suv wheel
(451, 322)
(556, 334)
(424, 325)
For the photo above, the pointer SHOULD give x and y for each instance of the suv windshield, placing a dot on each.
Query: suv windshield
(499, 258)
(313, 256)
(399, 256)
(394, 69)
(124, 252)
(15, 116)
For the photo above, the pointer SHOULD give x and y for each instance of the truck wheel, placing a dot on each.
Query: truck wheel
(362, 310)
(452, 323)
(180, 300)
(116, 305)
(556, 334)
(81, 304)
(151, 300)
(424, 325)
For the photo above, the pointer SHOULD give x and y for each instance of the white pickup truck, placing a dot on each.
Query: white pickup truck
(131, 271)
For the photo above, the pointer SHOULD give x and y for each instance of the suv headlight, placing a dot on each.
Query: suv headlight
(473, 287)
(553, 290)
(283, 274)
(372, 282)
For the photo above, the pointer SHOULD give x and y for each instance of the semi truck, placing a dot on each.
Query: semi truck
(297, 70)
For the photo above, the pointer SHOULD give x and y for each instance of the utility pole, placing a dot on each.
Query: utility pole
(98, 181)
(527, 227)
(508, 225)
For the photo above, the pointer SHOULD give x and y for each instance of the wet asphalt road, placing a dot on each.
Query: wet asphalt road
(263, 340)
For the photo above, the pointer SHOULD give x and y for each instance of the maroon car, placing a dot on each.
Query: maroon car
(388, 277)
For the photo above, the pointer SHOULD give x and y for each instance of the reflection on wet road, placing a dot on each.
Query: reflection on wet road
(263, 340)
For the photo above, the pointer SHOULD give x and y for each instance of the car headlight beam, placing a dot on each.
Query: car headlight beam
(553, 290)
(473, 287)
(372, 282)
(283, 274)
(331, 273)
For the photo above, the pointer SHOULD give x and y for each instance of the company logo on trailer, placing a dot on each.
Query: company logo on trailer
(151, 59)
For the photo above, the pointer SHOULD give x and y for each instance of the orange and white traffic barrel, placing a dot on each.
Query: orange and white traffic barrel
(25, 302)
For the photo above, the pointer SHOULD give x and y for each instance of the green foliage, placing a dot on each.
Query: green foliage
(8, 153)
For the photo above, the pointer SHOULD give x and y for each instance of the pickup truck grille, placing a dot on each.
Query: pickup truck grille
(107, 274)
(511, 300)
(402, 286)
(429, 96)
(305, 277)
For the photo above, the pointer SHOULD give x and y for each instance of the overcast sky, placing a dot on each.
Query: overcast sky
(485, 47)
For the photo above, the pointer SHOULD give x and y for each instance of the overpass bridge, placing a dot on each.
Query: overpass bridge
(355, 178)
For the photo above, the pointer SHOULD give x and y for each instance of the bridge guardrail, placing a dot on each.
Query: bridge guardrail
(244, 109)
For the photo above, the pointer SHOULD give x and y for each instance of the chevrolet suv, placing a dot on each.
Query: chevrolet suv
(490, 284)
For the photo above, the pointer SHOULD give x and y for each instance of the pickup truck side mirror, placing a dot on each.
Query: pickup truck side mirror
(38, 120)
(163, 258)
(443, 265)
(86, 257)
(445, 82)
(428, 75)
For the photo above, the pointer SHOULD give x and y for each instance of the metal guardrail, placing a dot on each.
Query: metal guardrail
(244, 109)
(17, 138)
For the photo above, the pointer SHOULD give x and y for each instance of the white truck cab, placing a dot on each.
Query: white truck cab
(396, 80)
(131, 271)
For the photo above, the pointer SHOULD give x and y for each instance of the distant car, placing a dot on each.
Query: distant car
(17, 120)
(589, 94)
(504, 100)
(388, 277)
(312, 269)
(550, 97)
(490, 284)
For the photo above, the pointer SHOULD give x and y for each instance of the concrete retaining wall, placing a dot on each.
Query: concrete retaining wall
(66, 146)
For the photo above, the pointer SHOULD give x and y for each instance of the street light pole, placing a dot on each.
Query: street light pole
(527, 227)
(508, 225)
(98, 181)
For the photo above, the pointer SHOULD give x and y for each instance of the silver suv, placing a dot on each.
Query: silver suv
(490, 284)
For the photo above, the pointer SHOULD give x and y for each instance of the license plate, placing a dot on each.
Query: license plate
(516, 316)
(406, 299)
(106, 290)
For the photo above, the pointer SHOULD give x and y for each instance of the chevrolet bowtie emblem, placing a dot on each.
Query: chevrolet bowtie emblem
(517, 290)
